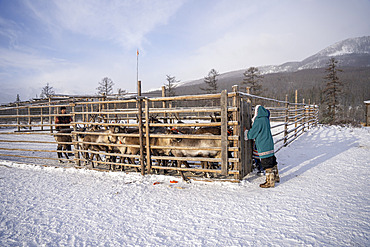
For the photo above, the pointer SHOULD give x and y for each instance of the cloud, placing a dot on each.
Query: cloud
(124, 22)
(22, 60)
(9, 31)
(72, 44)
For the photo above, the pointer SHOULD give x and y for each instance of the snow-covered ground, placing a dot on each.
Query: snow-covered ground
(323, 199)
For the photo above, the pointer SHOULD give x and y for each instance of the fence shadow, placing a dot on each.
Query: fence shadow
(312, 149)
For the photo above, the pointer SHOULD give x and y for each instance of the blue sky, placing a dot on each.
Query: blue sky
(73, 44)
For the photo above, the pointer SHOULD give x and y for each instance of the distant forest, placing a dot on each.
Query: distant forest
(309, 83)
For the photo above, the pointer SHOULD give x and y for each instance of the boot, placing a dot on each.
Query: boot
(270, 179)
(276, 173)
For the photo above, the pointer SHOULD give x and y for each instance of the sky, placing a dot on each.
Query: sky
(74, 44)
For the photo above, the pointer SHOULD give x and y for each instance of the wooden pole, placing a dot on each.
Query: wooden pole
(100, 107)
(141, 136)
(236, 129)
(248, 92)
(87, 111)
(295, 112)
(42, 118)
(286, 120)
(18, 122)
(148, 158)
(308, 115)
(74, 136)
(224, 141)
(164, 104)
(245, 146)
(50, 117)
(29, 118)
(107, 109)
(304, 115)
(92, 110)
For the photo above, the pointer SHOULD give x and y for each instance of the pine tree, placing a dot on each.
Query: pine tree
(47, 91)
(332, 91)
(252, 79)
(18, 99)
(211, 82)
(105, 86)
(170, 86)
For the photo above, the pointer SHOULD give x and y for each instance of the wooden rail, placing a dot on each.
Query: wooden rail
(232, 112)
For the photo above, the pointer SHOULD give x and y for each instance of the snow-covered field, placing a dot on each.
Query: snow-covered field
(323, 199)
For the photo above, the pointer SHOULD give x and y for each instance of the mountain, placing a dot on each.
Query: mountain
(307, 76)
(353, 52)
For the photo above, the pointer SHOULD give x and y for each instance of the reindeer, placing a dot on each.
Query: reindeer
(97, 142)
(131, 143)
(200, 144)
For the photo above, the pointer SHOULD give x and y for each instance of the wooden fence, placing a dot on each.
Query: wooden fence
(27, 131)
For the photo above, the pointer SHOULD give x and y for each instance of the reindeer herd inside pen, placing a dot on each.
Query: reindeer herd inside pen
(187, 135)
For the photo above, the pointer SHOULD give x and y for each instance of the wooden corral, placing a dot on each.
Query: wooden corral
(198, 135)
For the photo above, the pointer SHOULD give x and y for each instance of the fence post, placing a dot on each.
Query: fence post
(223, 103)
(295, 112)
(42, 117)
(141, 136)
(286, 120)
(164, 103)
(50, 117)
(248, 92)
(148, 157)
(29, 118)
(116, 116)
(18, 122)
(107, 110)
(246, 146)
(308, 110)
(236, 129)
(87, 112)
(74, 136)
(304, 115)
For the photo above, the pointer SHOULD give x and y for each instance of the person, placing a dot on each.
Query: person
(64, 119)
(261, 132)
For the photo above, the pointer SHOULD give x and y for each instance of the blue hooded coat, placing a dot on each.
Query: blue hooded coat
(261, 132)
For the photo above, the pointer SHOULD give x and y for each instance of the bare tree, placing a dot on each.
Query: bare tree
(333, 90)
(211, 82)
(47, 91)
(170, 86)
(252, 79)
(105, 86)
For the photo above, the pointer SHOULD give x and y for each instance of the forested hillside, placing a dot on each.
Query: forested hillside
(309, 83)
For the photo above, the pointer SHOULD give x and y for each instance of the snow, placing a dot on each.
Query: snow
(323, 199)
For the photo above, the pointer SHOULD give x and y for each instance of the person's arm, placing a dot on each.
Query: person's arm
(255, 130)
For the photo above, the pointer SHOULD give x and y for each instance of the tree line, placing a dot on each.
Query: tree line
(339, 91)
(340, 100)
